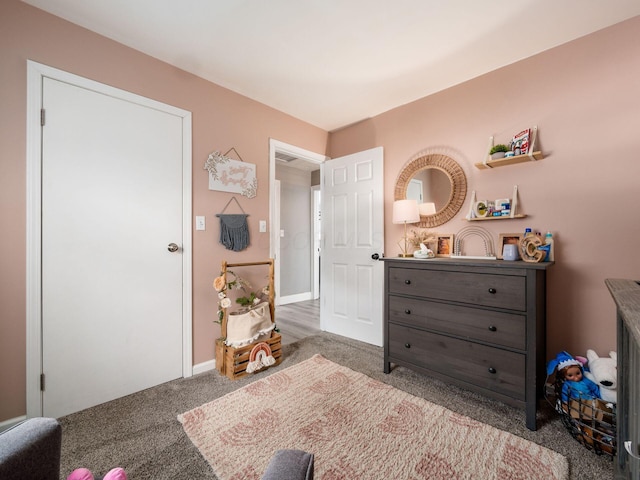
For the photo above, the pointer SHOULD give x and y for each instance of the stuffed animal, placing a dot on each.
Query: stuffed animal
(85, 474)
(574, 384)
(583, 361)
(603, 371)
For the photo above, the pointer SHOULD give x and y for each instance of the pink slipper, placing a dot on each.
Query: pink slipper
(115, 474)
(80, 474)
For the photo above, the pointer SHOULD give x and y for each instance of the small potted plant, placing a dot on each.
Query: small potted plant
(498, 151)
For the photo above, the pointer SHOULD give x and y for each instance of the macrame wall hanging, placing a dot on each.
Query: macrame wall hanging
(234, 230)
(229, 175)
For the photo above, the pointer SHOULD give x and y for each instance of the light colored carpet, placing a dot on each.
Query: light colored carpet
(357, 428)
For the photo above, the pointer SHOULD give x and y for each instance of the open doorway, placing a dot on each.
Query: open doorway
(352, 187)
(295, 234)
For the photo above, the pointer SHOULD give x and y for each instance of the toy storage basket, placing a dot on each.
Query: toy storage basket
(590, 422)
(233, 361)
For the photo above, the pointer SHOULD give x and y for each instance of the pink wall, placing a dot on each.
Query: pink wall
(585, 99)
(221, 120)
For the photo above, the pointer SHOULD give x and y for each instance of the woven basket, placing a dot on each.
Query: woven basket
(590, 422)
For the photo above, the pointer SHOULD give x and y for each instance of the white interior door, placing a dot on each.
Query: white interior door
(353, 231)
(112, 202)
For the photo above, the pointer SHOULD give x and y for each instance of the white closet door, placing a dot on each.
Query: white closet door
(111, 205)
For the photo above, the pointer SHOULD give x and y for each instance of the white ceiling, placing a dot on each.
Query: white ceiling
(335, 62)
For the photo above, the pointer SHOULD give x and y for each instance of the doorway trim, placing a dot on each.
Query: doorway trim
(316, 215)
(274, 219)
(35, 74)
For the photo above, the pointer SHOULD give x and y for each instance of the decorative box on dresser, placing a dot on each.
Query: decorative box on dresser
(626, 294)
(479, 324)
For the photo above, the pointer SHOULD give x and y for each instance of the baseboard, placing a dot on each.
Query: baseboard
(11, 422)
(298, 297)
(204, 367)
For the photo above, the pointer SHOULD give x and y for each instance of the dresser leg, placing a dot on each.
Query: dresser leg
(387, 367)
(531, 417)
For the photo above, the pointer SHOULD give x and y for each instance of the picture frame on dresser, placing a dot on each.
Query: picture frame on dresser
(444, 245)
(507, 239)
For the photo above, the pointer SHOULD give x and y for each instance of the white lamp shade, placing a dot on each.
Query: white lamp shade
(428, 208)
(406, 211)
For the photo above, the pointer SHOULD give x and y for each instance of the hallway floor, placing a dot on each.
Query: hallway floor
(298, 320)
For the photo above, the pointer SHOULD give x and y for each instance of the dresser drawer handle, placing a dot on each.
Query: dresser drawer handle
(492, 328)
(407, 311)
(407, 345)
(492, 370)
(492, 290)
(407, 282)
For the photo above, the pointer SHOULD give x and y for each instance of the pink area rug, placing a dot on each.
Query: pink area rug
(358, 428)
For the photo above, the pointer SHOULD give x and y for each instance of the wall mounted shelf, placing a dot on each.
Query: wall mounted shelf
(473, 215)
(532, 156)
(502, 162)
(505, 217)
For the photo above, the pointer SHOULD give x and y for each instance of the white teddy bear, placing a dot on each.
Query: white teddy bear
(603, 371)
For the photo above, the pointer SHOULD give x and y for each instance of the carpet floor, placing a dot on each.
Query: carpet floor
(142, 434)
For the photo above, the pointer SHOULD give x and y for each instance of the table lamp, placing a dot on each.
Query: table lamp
(405, 211)
(428, 208)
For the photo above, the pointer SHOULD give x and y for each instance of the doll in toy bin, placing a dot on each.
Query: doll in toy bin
(574, 383)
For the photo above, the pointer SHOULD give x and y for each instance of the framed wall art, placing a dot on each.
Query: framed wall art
(229, 175)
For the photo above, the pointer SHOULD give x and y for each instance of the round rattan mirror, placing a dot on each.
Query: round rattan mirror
(447, 170)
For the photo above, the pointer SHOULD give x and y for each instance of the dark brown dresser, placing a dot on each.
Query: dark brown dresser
(626, 294)
(479, 324)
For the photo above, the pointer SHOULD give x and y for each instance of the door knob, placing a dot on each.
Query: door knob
(375, 256)
(172, 247)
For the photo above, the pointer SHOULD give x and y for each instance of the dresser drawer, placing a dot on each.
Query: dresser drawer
(500, 328)
(486, 367)
(503, 291)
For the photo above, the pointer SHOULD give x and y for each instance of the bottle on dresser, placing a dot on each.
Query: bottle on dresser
(548, 240)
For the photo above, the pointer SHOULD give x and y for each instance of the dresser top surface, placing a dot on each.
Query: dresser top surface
(461, 262)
